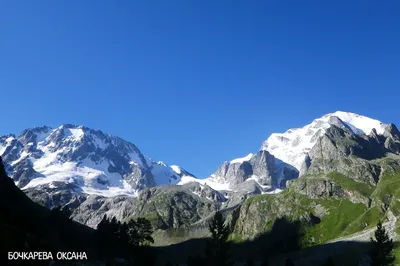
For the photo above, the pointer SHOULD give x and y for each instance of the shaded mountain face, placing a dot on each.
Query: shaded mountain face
(91, 161)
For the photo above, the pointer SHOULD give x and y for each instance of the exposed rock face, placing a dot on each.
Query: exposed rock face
(337, 143)
(205, 192)
(257, 173)
(343, 151)
(23, 172)
(358, 169)
(392, 141)
(176, 206)
(324, 187)
(391, 131)
(263, 166)
(257, 216)
(317, 188)
(166, 206)
(234, 173)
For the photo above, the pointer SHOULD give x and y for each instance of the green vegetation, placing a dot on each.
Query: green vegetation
(235, 238)
(350, 184)
(341, 214)
(342, 217)
(134, 232)
(339, 217)
(388, 189)
(396, 253)
(366, 220)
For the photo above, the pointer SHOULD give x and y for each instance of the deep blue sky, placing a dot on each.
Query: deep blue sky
(195, 83)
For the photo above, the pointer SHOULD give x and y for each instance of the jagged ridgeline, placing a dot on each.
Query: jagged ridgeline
(333, 178)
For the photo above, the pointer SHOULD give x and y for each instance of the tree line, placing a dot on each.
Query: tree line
(135, 236)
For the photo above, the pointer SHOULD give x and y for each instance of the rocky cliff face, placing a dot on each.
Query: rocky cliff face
(353, 155)
(325, 187)
(166, 206)
(258, 172)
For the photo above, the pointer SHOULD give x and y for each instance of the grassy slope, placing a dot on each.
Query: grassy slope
(343, 217)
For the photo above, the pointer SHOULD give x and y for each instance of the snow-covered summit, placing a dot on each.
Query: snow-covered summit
(292, 146)
(243, 159)
(95, 162)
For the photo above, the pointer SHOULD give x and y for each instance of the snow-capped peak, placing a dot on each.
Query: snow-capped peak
(359, 124)
(96, 162)
(243, 159)
(292, 146)
(176, 168)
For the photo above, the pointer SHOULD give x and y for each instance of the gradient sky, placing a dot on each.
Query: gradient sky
(196, 83)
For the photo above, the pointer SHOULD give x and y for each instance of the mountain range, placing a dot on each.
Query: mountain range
(95, 173)
(102, 164)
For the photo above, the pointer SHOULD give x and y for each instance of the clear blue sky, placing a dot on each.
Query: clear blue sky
(191, 82)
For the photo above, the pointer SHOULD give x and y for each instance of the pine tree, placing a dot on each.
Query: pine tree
(145, 230)
(218, 247)
(382, 247)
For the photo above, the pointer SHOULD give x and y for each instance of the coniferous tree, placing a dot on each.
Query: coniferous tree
(133, 235)
(382, 248)
(144, 230)
(114, 227)
(218, 247)
(103, 223)
(138, 232)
